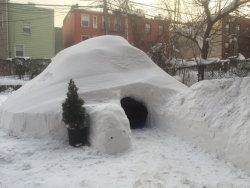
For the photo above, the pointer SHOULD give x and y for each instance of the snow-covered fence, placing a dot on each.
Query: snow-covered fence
(22, 67)
(188, 74)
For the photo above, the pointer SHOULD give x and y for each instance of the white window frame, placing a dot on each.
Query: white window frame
(227, 28)
(82, 20)
(16, 50)
(237, 28)
(148, 29)
(160, 29)
(226, 44)
(95, 22)
(27, 25)
(85, 36)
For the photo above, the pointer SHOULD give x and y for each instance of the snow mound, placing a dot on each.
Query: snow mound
(105, 69)
(223, 107)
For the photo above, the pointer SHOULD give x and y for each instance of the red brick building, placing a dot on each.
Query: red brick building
(141, 32)
(235, 36)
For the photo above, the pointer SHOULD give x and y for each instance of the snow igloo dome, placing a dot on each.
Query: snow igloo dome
(119, 83)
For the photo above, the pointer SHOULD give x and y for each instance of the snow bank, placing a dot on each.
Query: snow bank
(221, 111)
(105, 70)
(7, 80)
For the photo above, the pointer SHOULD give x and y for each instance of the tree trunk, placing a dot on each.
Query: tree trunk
(201, 70)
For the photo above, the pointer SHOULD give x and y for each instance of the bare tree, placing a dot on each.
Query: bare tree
(199, 24)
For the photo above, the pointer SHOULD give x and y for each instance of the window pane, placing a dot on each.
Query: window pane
(85, 37)
(95, 22)
(147, 28)
(227, 28)
(26, 27)
(85, 20)
(160, 27)
(226, 45)
(19, 50)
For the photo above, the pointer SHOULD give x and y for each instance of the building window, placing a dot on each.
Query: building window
(147, 28)
(160, 29)
(95, 22)
(248, 30)
(85, 20)
(237, 29)
(26, 27)
(19, 49)
(227, 28)
(248, 48)
(117, 24)
(226, 45)
(85, 37)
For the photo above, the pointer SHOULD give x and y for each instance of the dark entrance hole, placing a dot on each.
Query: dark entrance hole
(136, 112)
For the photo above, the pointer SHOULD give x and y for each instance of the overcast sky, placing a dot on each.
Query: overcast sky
(61, 12)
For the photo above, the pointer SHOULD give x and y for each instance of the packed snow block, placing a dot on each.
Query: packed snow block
(106, 69)
(110, 132)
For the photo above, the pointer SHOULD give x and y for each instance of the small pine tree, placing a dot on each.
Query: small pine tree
(73, 112)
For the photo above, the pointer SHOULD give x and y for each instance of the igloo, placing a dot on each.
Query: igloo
(108, 71)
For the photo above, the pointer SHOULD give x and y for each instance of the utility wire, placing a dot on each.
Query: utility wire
(44, 5)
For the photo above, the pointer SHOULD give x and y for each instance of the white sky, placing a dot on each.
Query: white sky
(62, 11)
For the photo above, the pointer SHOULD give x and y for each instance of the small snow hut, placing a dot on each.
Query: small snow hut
(123, 89)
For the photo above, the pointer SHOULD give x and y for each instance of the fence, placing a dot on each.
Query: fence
(215, 70)
(22, 67)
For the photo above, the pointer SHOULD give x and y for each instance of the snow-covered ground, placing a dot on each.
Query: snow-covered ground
(156, 160)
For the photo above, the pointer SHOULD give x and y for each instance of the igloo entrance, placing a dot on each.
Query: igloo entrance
(136, 112)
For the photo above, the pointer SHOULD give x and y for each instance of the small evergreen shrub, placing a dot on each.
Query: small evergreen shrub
(74, 114)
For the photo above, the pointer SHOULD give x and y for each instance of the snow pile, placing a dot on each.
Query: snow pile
(11, 81)
(223, 105)
(105, 70)
(3, 98)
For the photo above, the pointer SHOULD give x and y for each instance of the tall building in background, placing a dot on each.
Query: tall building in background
(236, 36)
(141, 32)
(31, 31)
(3, 29)
(28, 31)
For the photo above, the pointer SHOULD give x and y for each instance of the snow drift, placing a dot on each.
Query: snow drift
(223, 107)
(105, 69)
